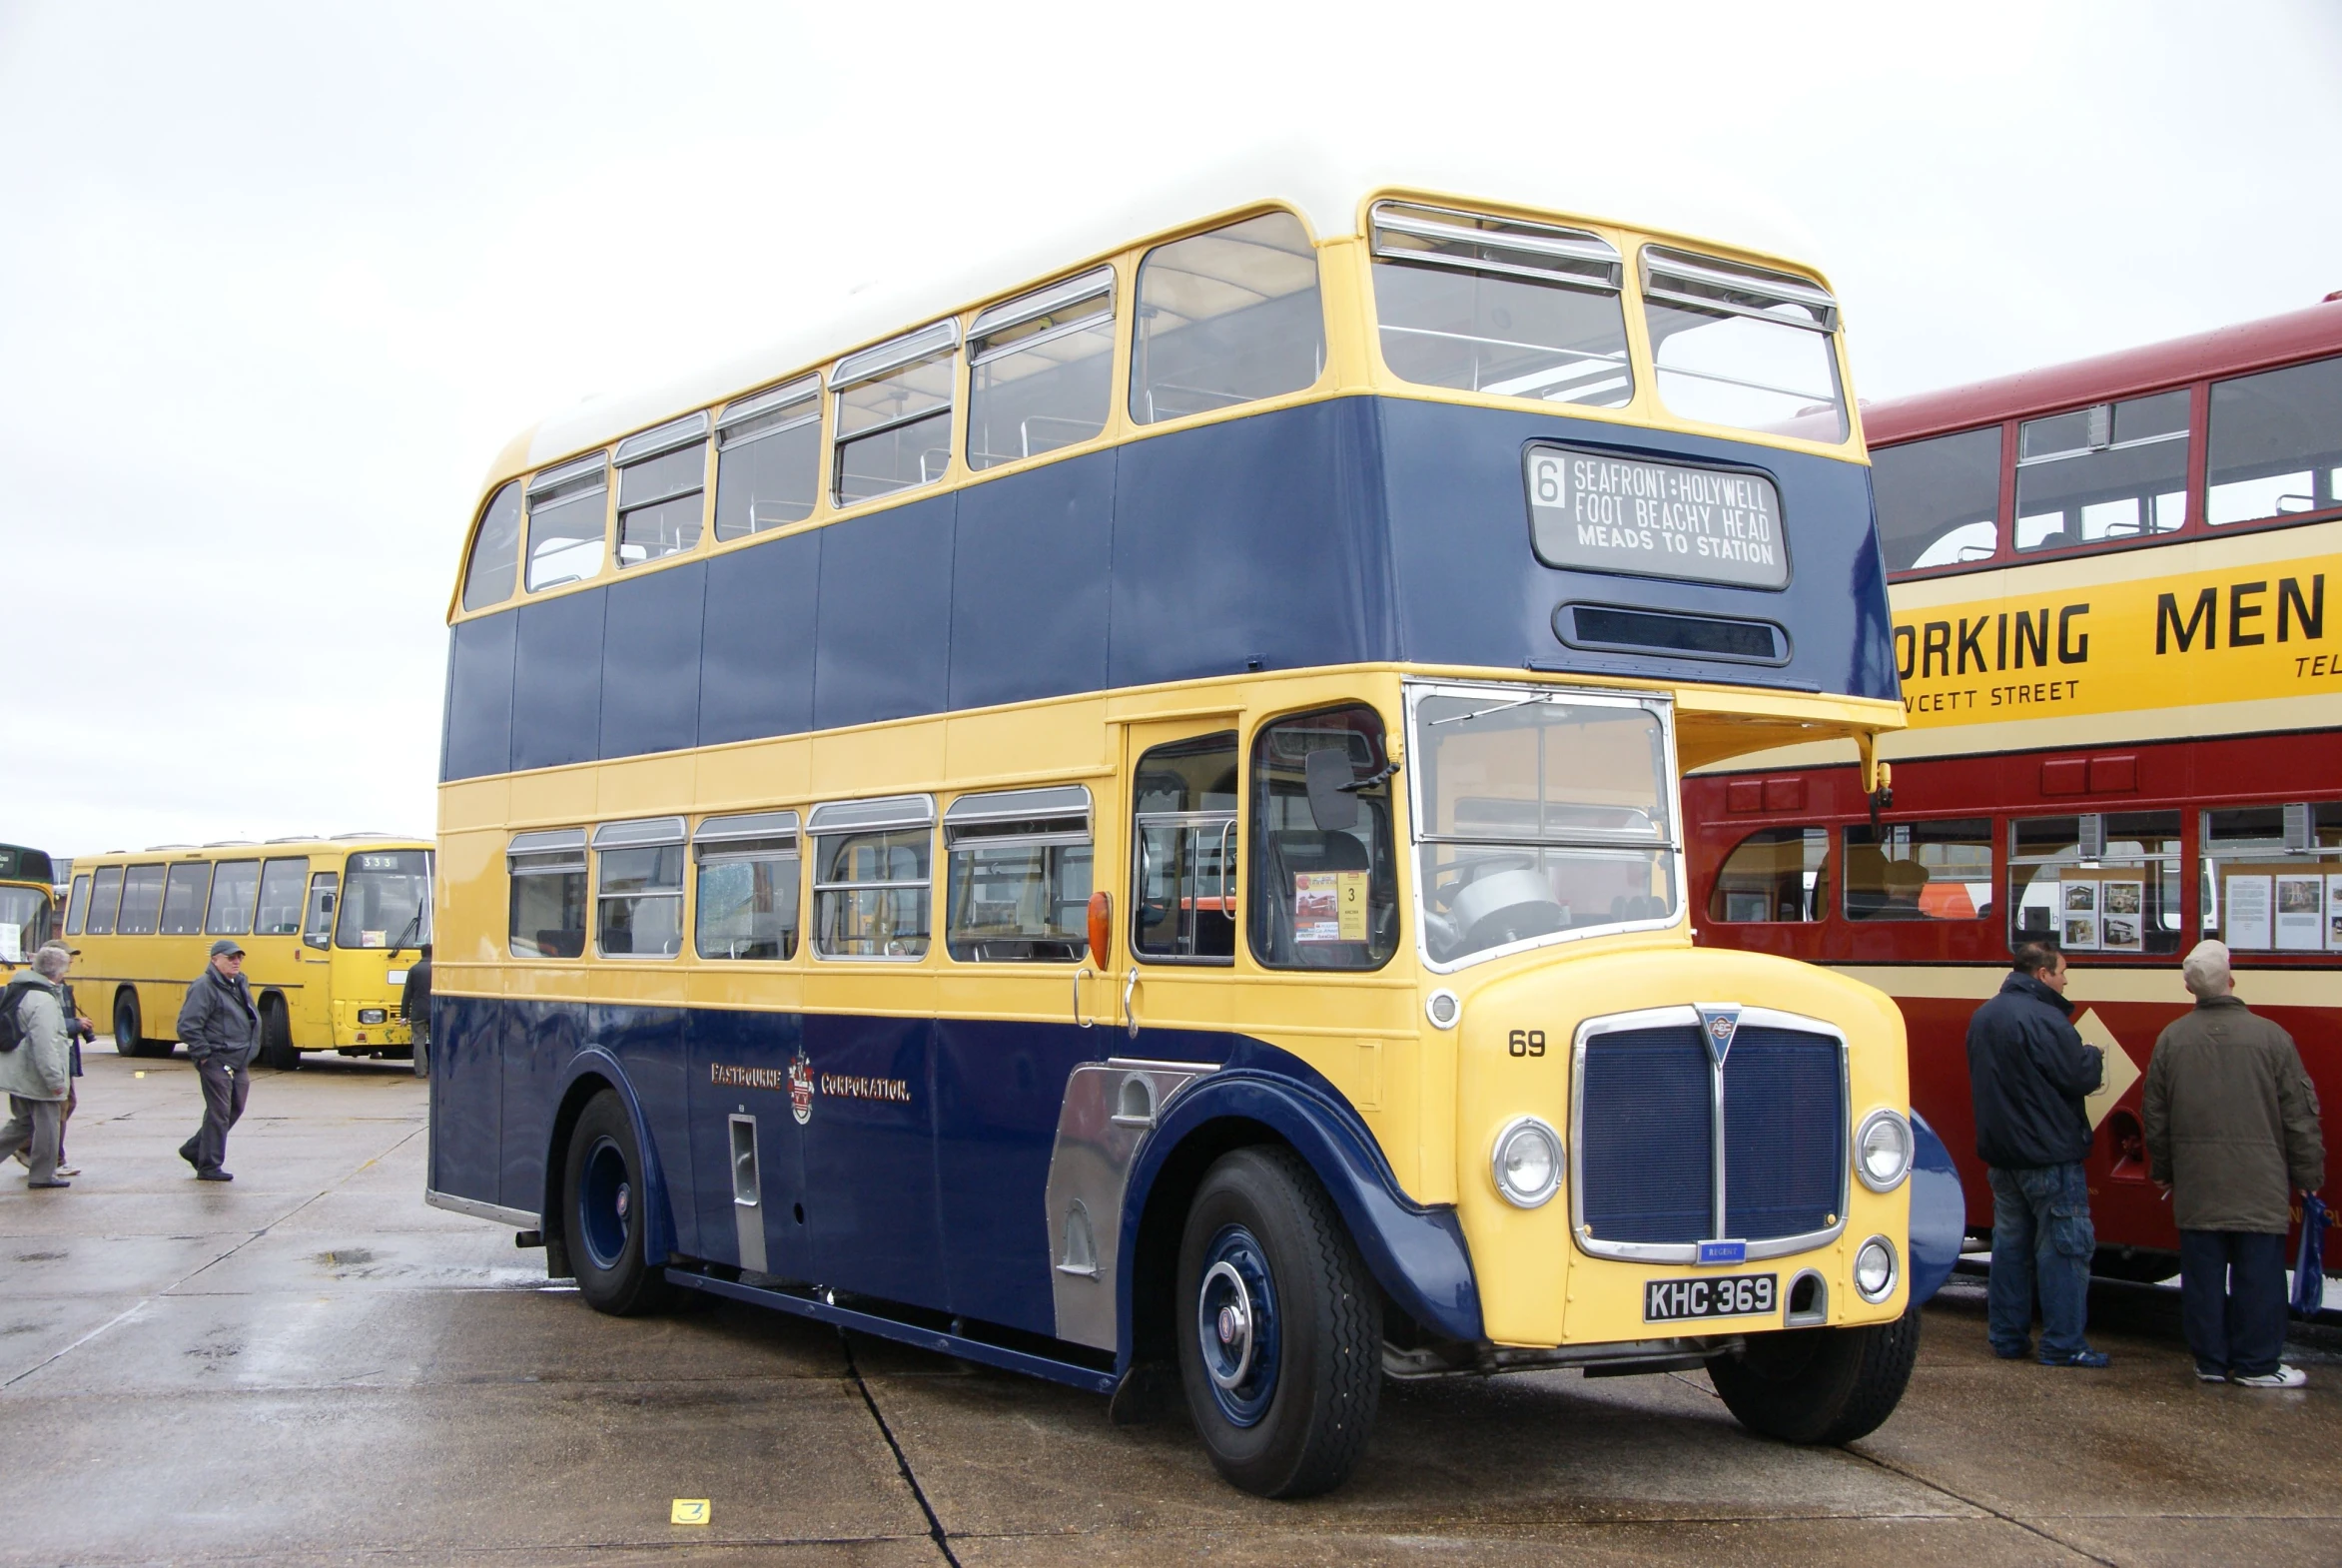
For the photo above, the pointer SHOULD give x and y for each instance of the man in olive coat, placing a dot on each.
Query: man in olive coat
(219, 1027)
(36, 1073)
(2231, 1129)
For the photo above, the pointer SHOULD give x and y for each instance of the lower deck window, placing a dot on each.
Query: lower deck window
(1183, 886)
(1019, 876)
(1324, 878)
(1939, 869)
(2273, 876)
(640, 909)
(2096, 883)
(871, 888)
(748, 877)
(1774, 874)
(549, 894)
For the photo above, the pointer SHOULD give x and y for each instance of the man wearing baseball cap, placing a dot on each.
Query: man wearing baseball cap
(219, 1027)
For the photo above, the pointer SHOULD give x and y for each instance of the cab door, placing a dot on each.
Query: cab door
(312, 1013)
(1178, 935)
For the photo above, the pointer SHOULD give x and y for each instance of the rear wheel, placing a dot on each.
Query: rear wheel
(1280, 1327)
(276, 1047)
(1820, 1385)
(601, 1182)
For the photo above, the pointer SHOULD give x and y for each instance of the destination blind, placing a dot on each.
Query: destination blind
(1596, 511)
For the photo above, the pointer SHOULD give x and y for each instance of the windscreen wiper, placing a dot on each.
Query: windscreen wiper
(1481, 713)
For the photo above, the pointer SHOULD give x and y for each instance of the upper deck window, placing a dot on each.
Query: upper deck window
(2276, 443)
(1539, 813)
(568, 514)
(1038, 370)
(1938, 500)
(662, 476)
(1493, 305)
(1227, 317)
(895, 414)
(2113, 470)
(1019, 876)
(496, 550)
(1741, 345)
(768, 458)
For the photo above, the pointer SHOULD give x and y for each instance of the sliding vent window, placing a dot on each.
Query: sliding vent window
(2115, 470)
(1019, 876)
(749, 875)
(2096, 883)
(871, 877)
(496, 550)
(547, 872)
(569, 513)
(1489, 305)
(1324, 875)
(1183, 828)
(1740, 345)
(638, 908)
(895, 414)
(768, 460)
(1038, 370)
(1938, 500)
(2277, 444)
(1539, 816)
(1227, 317)
(662, 484)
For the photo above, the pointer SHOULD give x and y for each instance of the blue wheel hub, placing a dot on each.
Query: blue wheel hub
(1237, 1326)
(605, 1202)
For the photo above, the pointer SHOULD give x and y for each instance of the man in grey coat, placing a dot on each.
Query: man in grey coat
(36, 1073)
(2231, 1129)
(219, 1027)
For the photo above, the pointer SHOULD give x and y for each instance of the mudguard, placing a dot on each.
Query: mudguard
(658, 1239)
(1938, 1212)
(1417, 1254)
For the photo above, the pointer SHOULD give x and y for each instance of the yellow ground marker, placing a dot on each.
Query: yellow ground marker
(141, 1073)
(689, 1510)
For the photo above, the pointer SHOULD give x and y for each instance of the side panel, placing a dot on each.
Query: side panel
(870, 1208)
(538, 1040)
(757, 658)
(468, 1099)
(650, 662)
(648, 1043)
(886, 616)
(478, 737)
(558, 681)
(755, 1051)
(1046, 536)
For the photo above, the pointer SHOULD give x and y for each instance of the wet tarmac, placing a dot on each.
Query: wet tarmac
(309, 1365)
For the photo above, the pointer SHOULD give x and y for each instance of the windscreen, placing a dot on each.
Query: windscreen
(385, 900)
(24, 922)
(1540, 815)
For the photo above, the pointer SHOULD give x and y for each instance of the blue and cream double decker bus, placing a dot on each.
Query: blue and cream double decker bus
(1122, 824)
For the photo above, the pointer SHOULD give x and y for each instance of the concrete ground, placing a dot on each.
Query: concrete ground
(309, 1365)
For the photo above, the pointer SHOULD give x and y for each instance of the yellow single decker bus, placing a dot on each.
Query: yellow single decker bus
(329, 927)
(1122, 824)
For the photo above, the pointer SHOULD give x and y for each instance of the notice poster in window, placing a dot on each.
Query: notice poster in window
(2334, 913)
(2301, 912)
(2122, 915)
(2081, 914)
(1329, 906)
(2248, 912)
(11, 943)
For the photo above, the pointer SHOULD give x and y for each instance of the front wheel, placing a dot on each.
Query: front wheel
(1820, 1385)
(602, 1183)
(1280, 1327)
(276, 1047)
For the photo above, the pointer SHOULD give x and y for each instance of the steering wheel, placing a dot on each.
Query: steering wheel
(1464, 873)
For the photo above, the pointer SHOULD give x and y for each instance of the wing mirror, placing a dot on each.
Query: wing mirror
(1331, 799)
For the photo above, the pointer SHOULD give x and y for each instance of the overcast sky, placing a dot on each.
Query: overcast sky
(276, 282)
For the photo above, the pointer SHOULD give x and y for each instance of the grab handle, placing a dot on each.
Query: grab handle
(1129, 1019)
(1084, 1023)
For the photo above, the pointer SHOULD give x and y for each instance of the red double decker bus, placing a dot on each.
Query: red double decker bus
(2110, 584)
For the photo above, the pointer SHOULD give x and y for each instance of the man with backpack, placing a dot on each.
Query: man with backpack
(36, 1063)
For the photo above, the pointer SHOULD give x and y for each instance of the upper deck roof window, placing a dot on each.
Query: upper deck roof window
(1742, 345)
(1227, 317)
(1494, 305)
(2109, 471)
(768, 458)
(568, 512)
(662, 476)
(895, 414)
(1039, 369)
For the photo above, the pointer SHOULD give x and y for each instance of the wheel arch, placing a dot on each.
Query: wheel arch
(1416, 1254)
(588, 1073)
(1938, 1212)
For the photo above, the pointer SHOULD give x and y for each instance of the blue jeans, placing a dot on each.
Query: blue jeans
(2042, 1240)
(2232, 1300)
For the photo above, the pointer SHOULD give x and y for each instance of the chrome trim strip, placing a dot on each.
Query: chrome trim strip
(909, 349)
(519, 1218)
(671, 436)
(1688, 1017)
(1041, 302)
(754, 825)
(741, 410)
(1536, 238)
(1660, 263)
(640, 832)
(833, 817)
(597, 465)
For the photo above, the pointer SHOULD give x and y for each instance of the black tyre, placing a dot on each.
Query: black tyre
(602, 1190)
(126, 1024)
(276, 1047)
(1280, 1327)
(1820, 1385)
(2140, 1266)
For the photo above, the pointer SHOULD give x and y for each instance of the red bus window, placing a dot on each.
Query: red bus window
(2273, 876)
(2098, 883)
(1774, 874)
(1920, 870)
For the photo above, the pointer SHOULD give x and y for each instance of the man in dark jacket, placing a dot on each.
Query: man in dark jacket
(219, 1027)
(2232, 1127)
(2029, 1069)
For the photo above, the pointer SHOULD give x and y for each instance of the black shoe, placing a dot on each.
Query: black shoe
(48, 1183)
(2022, 1353)
(214, 1176)
(2092, 1360)
(187, 1152)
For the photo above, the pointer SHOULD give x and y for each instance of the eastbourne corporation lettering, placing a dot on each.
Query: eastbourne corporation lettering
(1591, 511)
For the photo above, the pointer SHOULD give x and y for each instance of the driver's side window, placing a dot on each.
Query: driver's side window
(1324, 881)
(318, 929)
